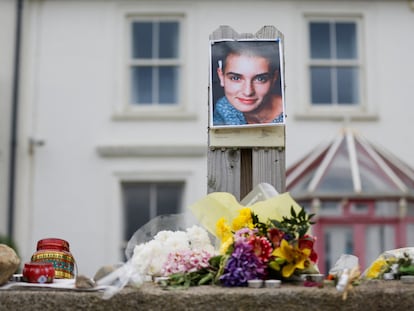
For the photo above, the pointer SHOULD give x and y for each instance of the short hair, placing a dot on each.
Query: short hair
(265, 49)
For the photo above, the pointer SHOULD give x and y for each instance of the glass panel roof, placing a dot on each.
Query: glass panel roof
(355, 167)
(373, 177)
(337, 177)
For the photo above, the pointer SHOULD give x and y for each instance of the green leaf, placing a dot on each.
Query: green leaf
(206, 279)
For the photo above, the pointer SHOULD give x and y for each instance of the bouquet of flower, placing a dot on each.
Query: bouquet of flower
(397, 261)
(266, 240)
(251, 249)
(173, 251)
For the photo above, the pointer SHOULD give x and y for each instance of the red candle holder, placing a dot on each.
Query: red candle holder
(38, 272)
(56, 251)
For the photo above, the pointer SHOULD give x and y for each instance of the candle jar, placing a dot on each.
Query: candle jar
(38, 272)
(56, 251)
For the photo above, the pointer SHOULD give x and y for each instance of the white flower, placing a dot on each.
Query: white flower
(177, 241)
(199, 238)
(163, 236)
(150, 258)
(141, 258)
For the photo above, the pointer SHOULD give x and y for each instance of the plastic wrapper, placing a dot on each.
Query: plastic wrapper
(173, 222)
(345, 261)
(263, 200)
(218, 205)
(390, 261)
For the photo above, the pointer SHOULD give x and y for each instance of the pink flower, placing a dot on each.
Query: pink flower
(262, 248)
(185, 261)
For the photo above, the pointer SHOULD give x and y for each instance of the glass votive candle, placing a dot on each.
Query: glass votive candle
(313, 280)
(273, 283)
(38, 272)
(255, 283)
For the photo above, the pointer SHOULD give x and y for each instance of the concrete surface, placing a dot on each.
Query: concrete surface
(373, 295)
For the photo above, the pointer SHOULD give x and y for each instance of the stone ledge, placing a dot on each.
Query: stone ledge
(373, 295)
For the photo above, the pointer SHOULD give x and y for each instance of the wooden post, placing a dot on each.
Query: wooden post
(239, 158)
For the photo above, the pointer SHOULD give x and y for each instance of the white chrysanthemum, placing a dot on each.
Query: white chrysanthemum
(198, 238)
(163, 236)
(141, 258)
(148, 258)
(177, 241)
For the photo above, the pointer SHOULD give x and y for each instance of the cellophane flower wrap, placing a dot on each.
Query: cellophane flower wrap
(168, 252)
(267, 240)
(398, 261)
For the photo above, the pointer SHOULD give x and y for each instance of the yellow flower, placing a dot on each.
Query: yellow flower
(377, 268)
(294, 256)
(244, 220)
(225, 245)
(223, 230)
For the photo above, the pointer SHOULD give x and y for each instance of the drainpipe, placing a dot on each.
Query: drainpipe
(14, 118)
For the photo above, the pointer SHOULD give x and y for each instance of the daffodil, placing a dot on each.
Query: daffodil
(294, 256)
(223, 230)
(243, 220)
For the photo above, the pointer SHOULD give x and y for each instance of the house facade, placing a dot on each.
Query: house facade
(112, 105)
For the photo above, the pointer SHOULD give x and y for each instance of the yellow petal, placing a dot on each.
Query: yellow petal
(288, 270)
(283, 251)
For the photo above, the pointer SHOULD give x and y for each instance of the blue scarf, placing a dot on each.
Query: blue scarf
(226, 114)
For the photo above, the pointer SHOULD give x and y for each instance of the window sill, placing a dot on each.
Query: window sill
(336, 116)
(151, 151)
(154, 116)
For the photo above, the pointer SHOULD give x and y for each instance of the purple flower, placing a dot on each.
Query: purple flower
(243, 265)
(288, 237)
(244, 234)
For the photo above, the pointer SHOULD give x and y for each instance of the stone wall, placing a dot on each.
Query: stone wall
(372, 295)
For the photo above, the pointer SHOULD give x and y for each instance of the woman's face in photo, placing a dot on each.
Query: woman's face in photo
(246, 80)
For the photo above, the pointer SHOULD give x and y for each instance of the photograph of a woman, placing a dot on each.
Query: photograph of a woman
(246, 84)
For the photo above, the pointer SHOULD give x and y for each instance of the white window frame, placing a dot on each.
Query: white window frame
(124, 109)
(360, 111)
(153, 188)
(116, 215)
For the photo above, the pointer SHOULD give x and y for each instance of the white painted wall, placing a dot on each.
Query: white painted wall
(72, 86)
(7, 35)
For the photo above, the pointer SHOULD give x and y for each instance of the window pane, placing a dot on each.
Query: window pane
(321, 85)
(168, 40)
(346, 41)
(320, 40)
(142, 39)
(347, 85)
(410, 210)
(378, 239)
(168, 85)
(338, 240)
(141, 85)
(410, 235)
(386, 209)
(373, 179)
(338, 178)
(142, 201)
(169, 197)
(136, 200)
(330, 208)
